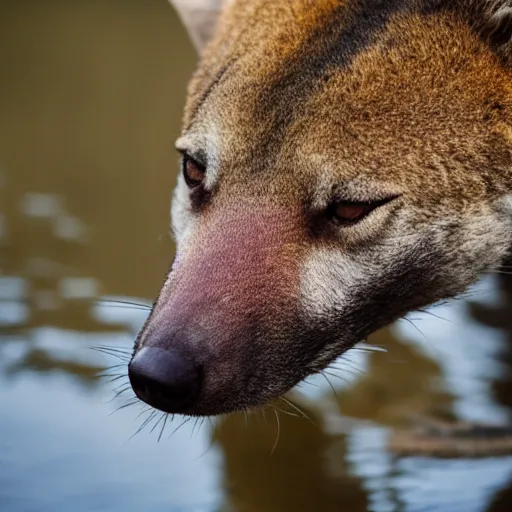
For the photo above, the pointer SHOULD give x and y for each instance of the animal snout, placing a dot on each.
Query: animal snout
(165, 379)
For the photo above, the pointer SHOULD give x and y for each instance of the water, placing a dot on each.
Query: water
(90, 102)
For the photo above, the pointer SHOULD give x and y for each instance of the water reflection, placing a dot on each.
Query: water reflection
(502, 502)
(497, 315)
(291, 465)
(91, 99)
(397, 386)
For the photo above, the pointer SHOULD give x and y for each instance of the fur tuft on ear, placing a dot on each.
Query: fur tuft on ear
(199, 18)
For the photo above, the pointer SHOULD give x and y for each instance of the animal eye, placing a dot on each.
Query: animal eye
(348, 212)
(193, 171)
(351, 212)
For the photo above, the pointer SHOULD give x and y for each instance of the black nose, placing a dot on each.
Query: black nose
(164, 379)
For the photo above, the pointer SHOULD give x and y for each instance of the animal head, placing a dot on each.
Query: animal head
(343, 163)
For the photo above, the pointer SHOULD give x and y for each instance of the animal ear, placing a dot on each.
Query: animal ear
(199, 18)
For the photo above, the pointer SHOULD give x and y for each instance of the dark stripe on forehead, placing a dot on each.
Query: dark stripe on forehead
(213, 77)
(213, 85)
(350, 30)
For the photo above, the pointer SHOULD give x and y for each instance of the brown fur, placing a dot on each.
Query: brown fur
(300, 103)
(426, 83)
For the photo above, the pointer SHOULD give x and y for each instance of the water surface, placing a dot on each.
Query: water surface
(90, 101)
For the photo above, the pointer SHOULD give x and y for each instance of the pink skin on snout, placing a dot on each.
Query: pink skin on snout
(232, 291)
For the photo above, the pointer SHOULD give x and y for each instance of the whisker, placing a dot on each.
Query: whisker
(111, 375)
(332, 387)
(113, 349)
(132, 308)
(366, 347)
(115, 367)
(336, 376)
(194, 427)
(146, 409)
(115, 378)
(162, 416)
(416, 327)
(129, 404)
(121, 354)
(293, 406)
(346, 362)
(499, 272)
(470, 294)
(301, 385)
(108, 373)
(124, 358)
(163, 428)
(288, 413)
(118, 393)
(427, 312)
(146, 307)
(179, 426)
(124, 385)
(278, 433)
(345, 369)
(146, 422)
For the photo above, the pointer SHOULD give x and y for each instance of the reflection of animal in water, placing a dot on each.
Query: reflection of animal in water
(406, 391)
(306, 471)
(500, 316)
(432, 436)
(343, 163)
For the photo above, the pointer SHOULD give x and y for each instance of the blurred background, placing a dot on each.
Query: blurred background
(91, 95)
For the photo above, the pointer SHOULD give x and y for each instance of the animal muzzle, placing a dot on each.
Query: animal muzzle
(220, 326)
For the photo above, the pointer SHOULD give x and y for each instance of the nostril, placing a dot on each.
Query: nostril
(164, 379)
